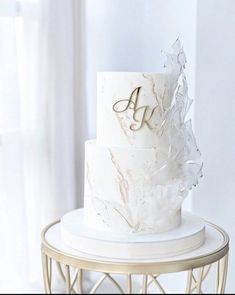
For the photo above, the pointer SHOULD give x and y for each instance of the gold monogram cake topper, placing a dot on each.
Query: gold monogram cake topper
(141, 114)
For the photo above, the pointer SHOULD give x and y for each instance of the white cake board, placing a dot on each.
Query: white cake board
(189, 236)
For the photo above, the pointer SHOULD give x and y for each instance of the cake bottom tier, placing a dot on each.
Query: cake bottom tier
(130, 190)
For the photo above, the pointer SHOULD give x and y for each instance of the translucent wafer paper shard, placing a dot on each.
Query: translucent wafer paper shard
(180, 154)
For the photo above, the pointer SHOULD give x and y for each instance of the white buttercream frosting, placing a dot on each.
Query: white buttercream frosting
(124, 193)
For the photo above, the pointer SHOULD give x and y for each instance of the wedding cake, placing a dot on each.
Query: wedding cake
(145, 159)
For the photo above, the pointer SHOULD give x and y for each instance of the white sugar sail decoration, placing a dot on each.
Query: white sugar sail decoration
(145, 159)
(180, 153)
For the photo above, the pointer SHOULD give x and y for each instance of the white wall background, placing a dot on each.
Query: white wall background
(214, 198)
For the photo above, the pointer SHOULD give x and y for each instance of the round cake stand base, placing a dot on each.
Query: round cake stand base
(187, 237)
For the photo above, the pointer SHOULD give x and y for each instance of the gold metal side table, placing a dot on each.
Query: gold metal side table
(71, 265)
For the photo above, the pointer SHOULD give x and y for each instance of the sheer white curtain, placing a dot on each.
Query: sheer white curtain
(38, 111)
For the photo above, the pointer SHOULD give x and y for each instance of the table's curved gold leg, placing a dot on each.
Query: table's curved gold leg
(225, 273)
(67, 279)
(79, 281)
(145, 284)
(102, 279)
(189, 282)
(222, 268)
(199, 281)
(47, 270)
(96, 286)
(195, 284)
(73, 281)
(60, 270)
(115, 283)
(217, 277)
(129, 284)
(154, 279)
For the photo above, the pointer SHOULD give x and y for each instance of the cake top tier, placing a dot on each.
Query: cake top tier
(129, 112)
(139, 109)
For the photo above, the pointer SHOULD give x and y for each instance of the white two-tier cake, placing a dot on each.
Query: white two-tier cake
(140, 168)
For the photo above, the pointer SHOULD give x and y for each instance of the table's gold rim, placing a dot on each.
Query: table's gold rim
(116, 266)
